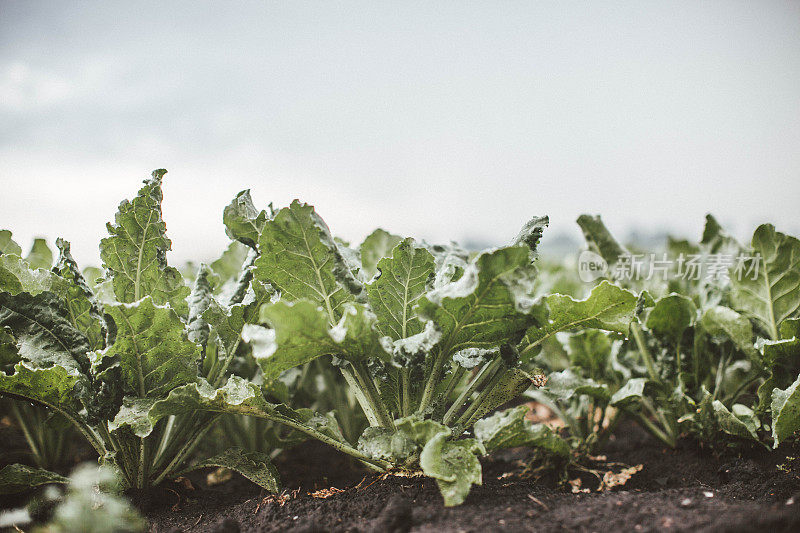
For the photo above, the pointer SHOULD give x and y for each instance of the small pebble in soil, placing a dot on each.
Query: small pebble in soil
(686, 502)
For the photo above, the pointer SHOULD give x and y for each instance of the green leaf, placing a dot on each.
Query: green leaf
(40, 255)
(255, 466)
(136, 252)
(378, 245)
(300, 258)
(774, 294)
(228, 266)
(739, 423)
(93, 504)
(389, 445)
(785, 412)
(486, 306)
(7, 244)
(154, 351)
(608, 307)
(787, 349)
(628, 394)
(510, 429)
(300, 333)
(237, 396)
(243, 222)
(53, 386)
(394, 294)
(531, 234)
(199, 300)
(420, 430)
(43, 330)
(590, 349)
(9, 355)
(782, 360)
(671, 316)
(16, 478)
(600, 240)
(16, 276)
(85, 312)
(715, 240)
(725, 323)
(225, 325)
(566, 384)
(453, 464)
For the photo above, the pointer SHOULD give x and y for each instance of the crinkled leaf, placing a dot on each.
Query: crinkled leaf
(136, 252)
(785, 412)
(93, 504)
(154, 351)
(53, 386)
(16, 478)
(394, 294)
(420, 430)
(774, 294)
(225, 325)
(237, 396)
(243, 222)
(300, 333)
(43, 330)
(510, 429)
(451, 262)
(255, 466)
(531, 234)
(608, 307)
(85, 312)
(484, 307)
(17, 276)
(377, 245)
(199, 300)
(454, 465)
(300, 258)
(787, 349)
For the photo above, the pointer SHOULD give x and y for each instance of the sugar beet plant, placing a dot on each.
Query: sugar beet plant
(406, 341)
(97, 364)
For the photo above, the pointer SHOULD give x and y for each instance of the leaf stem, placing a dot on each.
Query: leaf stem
(430, 384)
(636, 330)
(474, 411)
(371, 394)
(485, 373)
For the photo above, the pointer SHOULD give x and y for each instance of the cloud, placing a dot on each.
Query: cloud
(23, 88)
(433, 121)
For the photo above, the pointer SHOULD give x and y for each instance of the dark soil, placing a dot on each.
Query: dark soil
(687, 489)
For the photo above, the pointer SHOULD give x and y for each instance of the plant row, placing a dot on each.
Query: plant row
(401, 354)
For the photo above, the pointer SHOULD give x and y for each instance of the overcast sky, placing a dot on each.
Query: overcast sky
(437, 120)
